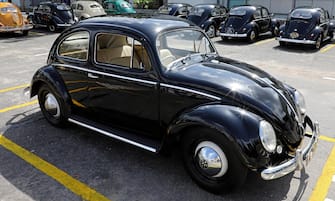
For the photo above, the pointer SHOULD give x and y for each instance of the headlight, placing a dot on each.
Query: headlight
(267, 136)
(300, 102)
(244, 29)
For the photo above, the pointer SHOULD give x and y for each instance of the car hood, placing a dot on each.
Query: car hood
(12, 19)
(237, 22)
(301, 26)
(245, 86)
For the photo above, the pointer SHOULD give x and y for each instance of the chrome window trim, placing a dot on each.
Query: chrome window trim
(191, 90)
(107, 74)
(72, 58)
(113, 135)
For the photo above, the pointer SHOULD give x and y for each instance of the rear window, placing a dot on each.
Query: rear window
(197, 11)
(94, 6)
(238, 12)
(63, 7)
(301, 14)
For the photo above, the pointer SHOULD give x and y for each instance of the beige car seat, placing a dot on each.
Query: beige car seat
(114, 49)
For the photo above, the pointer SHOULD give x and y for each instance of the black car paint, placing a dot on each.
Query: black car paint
(309, 29)
(207, 19)
(52, 16)
(262, 25)
(182, 97)
(176, 9)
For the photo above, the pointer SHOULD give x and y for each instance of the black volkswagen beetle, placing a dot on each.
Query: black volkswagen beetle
(175, 9)
(150, 82)
(310, 26)
(208, 17)
(248, 22)
(52, 15)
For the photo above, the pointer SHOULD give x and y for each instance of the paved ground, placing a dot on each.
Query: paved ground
(64, 164)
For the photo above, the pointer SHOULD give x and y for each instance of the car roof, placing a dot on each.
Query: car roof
(85, 2)
(150, 26)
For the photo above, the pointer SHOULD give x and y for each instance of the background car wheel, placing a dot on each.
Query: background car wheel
(52, 106)
(282, 44)
(223, 37)
(52, 27)
(252, 36)
(211, 161)
(211, 31)
(25, 33)
(318, 42)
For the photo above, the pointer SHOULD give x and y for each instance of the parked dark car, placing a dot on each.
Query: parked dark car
(52, 15)
(154, 82)
(310, 26)
(249, 22)
(208, 17)
(175, 9)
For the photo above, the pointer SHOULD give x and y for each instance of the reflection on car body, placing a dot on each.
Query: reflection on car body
(310, 26)
(248, 22)
(151, 82)
(208, 17)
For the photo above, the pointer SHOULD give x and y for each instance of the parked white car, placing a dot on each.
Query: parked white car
(87, 9)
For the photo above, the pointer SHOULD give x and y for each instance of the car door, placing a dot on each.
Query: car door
(38, 14)
(123, 85)
(324, 22)
(265, 21)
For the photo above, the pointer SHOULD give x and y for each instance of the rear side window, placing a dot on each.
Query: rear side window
(75, 46)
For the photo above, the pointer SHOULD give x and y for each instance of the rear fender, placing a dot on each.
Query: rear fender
(240, 127)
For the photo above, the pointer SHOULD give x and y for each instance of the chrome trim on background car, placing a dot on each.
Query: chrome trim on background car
(307, 42)
(113, 135)
(191, 90)
(11, 28)
(302, 155)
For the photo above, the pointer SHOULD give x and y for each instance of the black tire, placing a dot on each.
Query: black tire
(57, 112)
(224, 180)
(52, 28)
(275, 31)
(252, 35)
(223, 38)
(282, 44)
(25, 33)
(318, 43)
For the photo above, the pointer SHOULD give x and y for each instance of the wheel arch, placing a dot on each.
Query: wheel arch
(239, 127)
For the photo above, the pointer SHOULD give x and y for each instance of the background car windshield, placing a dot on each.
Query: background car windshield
(301, 14)
(197, 11)
(174, 45)
(8, 10)
(238, 12)
(63, 7)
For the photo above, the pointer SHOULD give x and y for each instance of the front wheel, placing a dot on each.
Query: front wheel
(52, 27)
(211, 31)
(52, 106)
(252, 36)
(318, 42)
(210, 160)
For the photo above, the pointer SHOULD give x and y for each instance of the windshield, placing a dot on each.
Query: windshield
(178, 47)
(197, 11)
(63, 7)
(238, 12)
(301, 14)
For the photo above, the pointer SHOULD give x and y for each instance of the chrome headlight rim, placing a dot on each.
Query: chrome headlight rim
(300, 102)
(267, 136)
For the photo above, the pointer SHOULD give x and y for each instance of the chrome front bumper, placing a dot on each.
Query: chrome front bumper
(12, 29)
(307, 42)
(234, 35)
(302, 155)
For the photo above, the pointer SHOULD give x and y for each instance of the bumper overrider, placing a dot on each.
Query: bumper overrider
(12, 28)
(302, 155)
(289, 40)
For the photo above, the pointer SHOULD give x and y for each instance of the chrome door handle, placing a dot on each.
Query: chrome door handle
(91, 75)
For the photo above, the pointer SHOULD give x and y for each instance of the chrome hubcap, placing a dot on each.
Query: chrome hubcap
(252, 35)
(211, 159)
(211, 31)
(51, 105)
(318, 43)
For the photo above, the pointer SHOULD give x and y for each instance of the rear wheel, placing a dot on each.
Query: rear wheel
(211, 161)
(52, 27)
(211, 31)
(52, 106)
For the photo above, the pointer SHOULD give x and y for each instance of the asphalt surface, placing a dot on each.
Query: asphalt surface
(122, 172)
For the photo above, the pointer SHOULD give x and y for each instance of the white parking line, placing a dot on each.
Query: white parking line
(42, 54)
(329, 78)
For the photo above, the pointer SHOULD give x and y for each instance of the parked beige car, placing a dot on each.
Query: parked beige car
(87, 9)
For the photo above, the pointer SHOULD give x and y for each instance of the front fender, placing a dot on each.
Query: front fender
(207, 24)
(239, 126)
(48, 75)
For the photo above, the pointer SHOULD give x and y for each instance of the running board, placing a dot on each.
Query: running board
(153, 147)
(266, 33)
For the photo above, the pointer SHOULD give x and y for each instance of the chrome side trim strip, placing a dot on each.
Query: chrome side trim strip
(107, 74)
(113, 136)
(191, 91)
